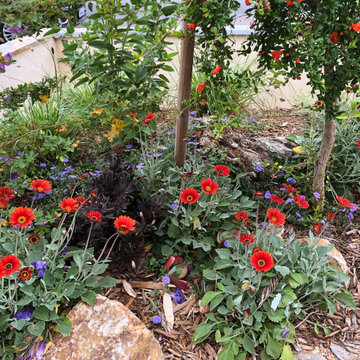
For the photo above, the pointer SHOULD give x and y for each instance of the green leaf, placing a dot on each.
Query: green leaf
(44, 314)
(202, 332)
(276, 301)
(68, 289)
(98, 269)
(173, 231)
(299, 278)
(276, 316)
(216, 301)
(283, 270)
(140, 73)
(19, 324)
(273, 348)
(225, 354)
(89, 297)
(168, 10)
(208, 297)
(287, 353)
(232, 290)
(25, 300)
(166, 250)
(79, 290)
(64, 325)
(37, 328)
(346, 300)
(248, 344)
(107, 282)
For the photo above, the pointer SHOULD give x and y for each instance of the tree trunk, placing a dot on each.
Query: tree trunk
(185, 78)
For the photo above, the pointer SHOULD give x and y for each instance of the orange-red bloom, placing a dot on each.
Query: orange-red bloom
(222, 170)
(297, 60)
(22, 216)
(216, 70)
(69, 205)
(276, 54)
(330, 216)
(81, 200)
(290, 188)
(247, 238)
(3, 203)
(124, 224)
(300, 201)
(262, 261)
(334, 37)
(355, 27)
(9, 264)
(248, 223)
(40, 185)
(189, 196)
(192, 26)
(256, 249)
(34, 239)
(241, 216)
(94, 216)
(6, 193)
(209, 186)
(247, 2)
(345, 203)
(201, 86)
(25, 273)
(149, 117)
(277, 199)
(276, 217)
(317, 228)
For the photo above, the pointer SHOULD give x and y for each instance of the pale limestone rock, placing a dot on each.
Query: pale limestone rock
(309, 355)
(342, 354)
(106, 331)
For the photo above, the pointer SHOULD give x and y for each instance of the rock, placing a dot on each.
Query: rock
(105, 331)
(309, 355)
(280, 145)
(343, 354)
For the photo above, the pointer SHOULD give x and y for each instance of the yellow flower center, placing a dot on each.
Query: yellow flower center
(274, 218)
(208, 188)
(189, 198)
(68, 208)
(261, 262)
(24, 274)
(40, 189)
(21, 219)
(94, 218)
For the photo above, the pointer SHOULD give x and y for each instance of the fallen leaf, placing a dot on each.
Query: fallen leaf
(129, 289)
(169, 311)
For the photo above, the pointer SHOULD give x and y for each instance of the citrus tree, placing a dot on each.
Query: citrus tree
(318, 37)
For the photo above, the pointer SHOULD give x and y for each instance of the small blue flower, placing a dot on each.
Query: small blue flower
(317, 195)
(259, 168)
(267, 195)
(157, 319)
(193, 112)
(350, 216)
(14, 175)
(166, 280)
(286, 330)
(41, 266)
(290, 179)
(140, 166)
(53, 168)
(264, 224)
(354, 207)
(20, 154)
(43, 165)
(26, 313)
(66, 160)
(178, 296)
(226, 244)
(174, 206)
(170, 133)
(128, 146)
(254, 120)
(289, 200)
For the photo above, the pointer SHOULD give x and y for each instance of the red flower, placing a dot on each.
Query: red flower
(355, 27)
(302, 240)
(189, 196)
(247, 2)
(276, 54)
(209, 186)
(300, 201)
(334, 37)
(201, 86)
(241, 216)
(256, 249)
(25, 273)
(289, 2)
(9, 264)
(41, 186)
(247, 238)
(276, 217)
(262, 261)
(94, 216)
(69, 205)
(222, 170)
(22, 216)
(317, 228)
(248, 223)
(330, 216)
(345, 203)
(124, 224)
(297, 60)
(80, 200)
(149, 117)
(3, 203)
(133, 115)
(216, 70)
(277, 199)
(358, 143)
(203, 101)
(6, 193)
(34, 239)
(290, 188)
(192, 26)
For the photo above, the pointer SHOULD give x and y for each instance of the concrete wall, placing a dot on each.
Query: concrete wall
(36, 60)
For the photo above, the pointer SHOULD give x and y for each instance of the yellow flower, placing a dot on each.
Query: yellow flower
(15, 348)
(44, 99)
(195, 222)
(116, 128)
(97, 111)
(245, 285)
(299, 149)
(3, 223)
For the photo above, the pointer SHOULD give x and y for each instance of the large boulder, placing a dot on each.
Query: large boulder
(105, 331)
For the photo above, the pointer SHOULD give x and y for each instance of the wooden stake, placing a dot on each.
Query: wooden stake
(185, 77)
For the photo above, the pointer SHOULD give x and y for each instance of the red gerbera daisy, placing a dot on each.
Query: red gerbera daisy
(192, 26)
(262, 261)
(216, 70)
(209, 186)
(189, 196)
(25, 273)
(241, 216)
(149, 117)
(330, 216)
(40, 185)
(248, 223)
(345, 203)
(94, 216)
(290, 188)
(300, 201)
(124, 224)
(358, 143)
(247, 238)
(201, 87)
(222, 170)
(80, 200)
(22, 216)
(256, 249)
(69, 205)
(3, 203)
(317, 228)
(276, 217)
(277, 199)
(34, 239)
(6, 193)
(9, 264)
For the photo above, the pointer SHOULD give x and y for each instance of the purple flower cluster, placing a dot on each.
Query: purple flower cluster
(5, 60)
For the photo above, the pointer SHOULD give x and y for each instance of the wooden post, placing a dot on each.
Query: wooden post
(185, 77)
